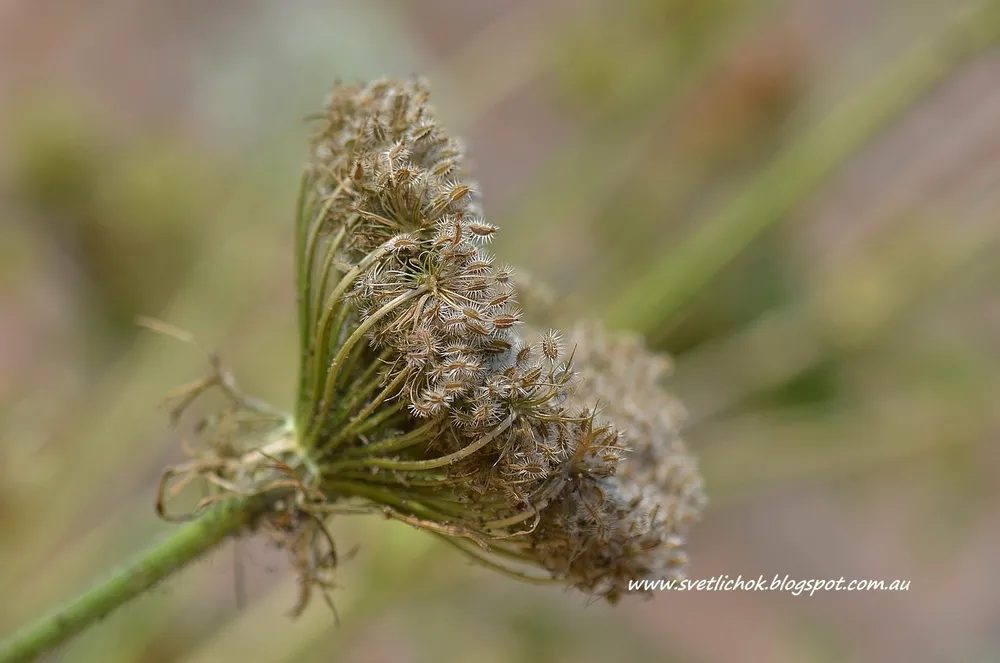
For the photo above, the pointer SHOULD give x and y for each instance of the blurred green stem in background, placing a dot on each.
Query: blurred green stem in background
(655, 298)
(184, 545)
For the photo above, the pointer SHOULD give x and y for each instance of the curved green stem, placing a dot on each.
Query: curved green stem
(302, 286)
(483, 559)
(359, 419)
(334, 304)
(424, 433)
(345, 350)
(387, 496)
(421, 465)
(184, 545)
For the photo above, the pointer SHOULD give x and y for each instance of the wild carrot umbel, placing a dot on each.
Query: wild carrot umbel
(423, 396)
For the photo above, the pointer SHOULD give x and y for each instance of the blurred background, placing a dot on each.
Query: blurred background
(797, 199)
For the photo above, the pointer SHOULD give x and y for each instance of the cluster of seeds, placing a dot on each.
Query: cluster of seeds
(647, 506)
(422, 391)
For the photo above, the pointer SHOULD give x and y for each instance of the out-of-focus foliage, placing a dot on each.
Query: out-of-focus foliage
(119, 205)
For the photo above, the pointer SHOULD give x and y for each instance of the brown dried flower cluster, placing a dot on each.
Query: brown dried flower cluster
(422, 392)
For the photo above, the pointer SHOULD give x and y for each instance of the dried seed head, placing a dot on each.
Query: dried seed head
(417, 358)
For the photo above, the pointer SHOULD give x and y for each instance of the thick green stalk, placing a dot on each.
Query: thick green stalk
(184, 545)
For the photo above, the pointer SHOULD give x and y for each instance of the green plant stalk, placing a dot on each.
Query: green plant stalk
(303, 276)
(184, 545)
(794, 173)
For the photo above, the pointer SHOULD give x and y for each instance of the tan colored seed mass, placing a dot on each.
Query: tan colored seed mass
(554, 452)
